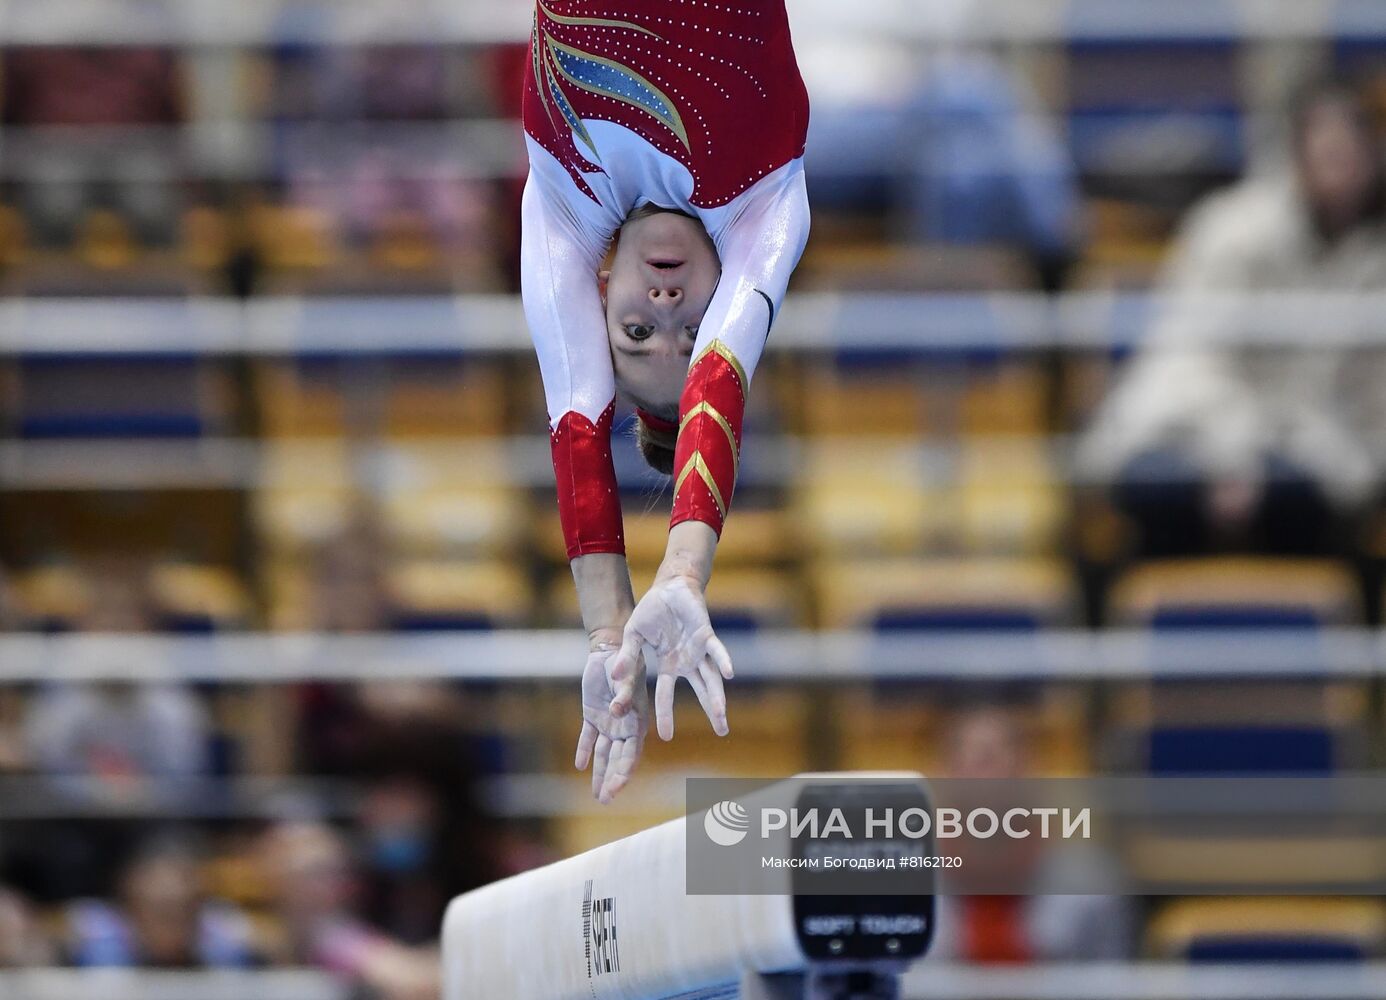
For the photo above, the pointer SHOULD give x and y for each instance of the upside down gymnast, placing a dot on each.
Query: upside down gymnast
(666, 137)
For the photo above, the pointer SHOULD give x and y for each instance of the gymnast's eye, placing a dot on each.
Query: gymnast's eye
(637, 331)
(692, 331)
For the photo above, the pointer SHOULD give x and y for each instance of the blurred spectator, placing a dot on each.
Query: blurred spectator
(22, 942)
(1271, 448)
(94, 115)
(426, 838)
(107, 743)
(955, 141)
(116, 732)
(990, 744)
(400, 826)
(315, 887)
(985, 166)
(362, 133)
(162, 919)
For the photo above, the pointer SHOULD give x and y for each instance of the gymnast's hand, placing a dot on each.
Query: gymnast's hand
(670, 625)
(615, 715)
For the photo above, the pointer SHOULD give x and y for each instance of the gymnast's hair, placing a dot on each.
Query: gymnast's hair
(656, 445)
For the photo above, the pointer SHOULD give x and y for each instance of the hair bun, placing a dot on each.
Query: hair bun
(656, 439)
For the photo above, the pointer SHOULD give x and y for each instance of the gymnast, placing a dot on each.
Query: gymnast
(663, 214)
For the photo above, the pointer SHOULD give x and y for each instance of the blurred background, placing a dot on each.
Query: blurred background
(1066, 458)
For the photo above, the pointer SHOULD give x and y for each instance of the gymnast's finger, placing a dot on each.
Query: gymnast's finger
(603, 753)
(587, 739)
(720, 657)
(625, 755)
(664, 705)
(707, 683)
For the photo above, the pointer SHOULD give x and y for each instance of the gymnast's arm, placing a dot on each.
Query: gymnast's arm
(559, 258)
(759, 250)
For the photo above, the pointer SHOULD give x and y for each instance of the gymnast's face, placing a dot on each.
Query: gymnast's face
(662, 277)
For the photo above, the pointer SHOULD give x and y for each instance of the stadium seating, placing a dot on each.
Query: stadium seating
(868, 497)
(1010, 500)
(407, 397)
(1236, 593)
(1169, 93)
(1268, 930)
(190, 598)
(1230, 727)
(51, 598)
(892, 486)
(1248, 729)
(452, 497)
(943, 594)
(437, 594)
(121, 396)
(890, 726)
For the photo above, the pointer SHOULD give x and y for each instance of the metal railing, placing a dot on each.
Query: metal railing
(1117, 654)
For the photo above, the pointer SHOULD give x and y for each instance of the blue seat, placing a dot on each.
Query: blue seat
(1268, 929)
(1241, 749)
(1152, 77)
(113, 397)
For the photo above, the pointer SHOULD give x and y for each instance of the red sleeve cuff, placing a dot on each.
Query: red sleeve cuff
(711, 411)
(589, 504)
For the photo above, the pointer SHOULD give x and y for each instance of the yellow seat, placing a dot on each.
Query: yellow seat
(888, 729)
(14, 237)
(186, 595)
(885, 731)
(294, 403)
(1237, 590)
(1008, 398)
(890, 265)
(864, 402)
(427, 593)
(105, 241)
(1268, 927)
(445, 398)
(871, 496)
(769, 736)
(288, 593)
(452, 498)
(944, 592)
(290, 520)
(1010, 497)
(307, 495)
(455, 520)
(294, 239)
(407, 398)
(53, 596)
(206, 238)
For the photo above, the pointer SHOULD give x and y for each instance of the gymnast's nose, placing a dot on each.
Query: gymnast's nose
(666, 296)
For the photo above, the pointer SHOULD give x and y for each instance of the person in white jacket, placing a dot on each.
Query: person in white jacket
(1252, 414)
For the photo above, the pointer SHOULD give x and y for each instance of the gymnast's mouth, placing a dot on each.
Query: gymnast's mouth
(665, 264)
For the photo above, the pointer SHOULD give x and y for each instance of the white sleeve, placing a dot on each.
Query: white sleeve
(558, 283)
(759, 248)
